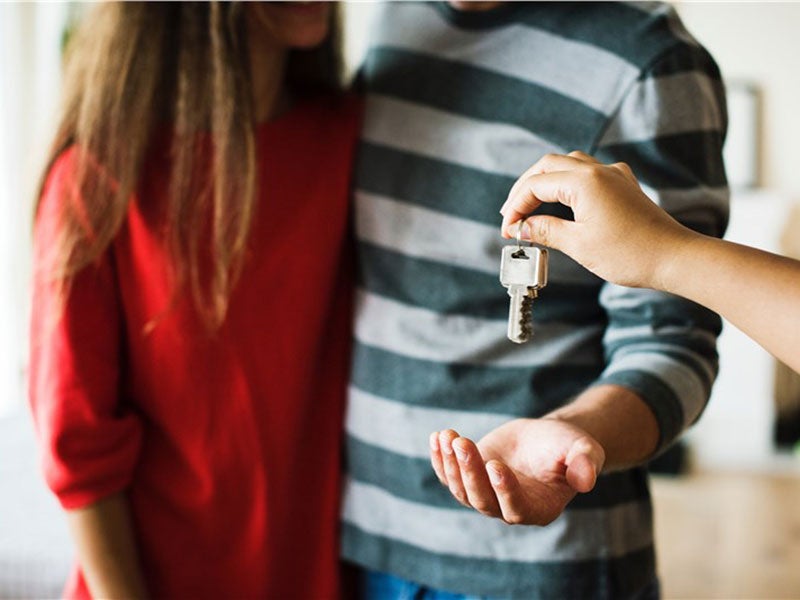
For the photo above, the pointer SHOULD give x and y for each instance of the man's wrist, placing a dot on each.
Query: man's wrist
(618, 419)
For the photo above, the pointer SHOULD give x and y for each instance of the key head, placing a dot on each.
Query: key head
(526, 266)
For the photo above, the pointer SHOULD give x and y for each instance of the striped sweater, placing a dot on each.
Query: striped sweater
(458, 105)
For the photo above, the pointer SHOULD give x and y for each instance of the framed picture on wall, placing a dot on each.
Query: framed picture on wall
(742, 150)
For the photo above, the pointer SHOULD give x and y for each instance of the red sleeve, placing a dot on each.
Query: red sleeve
(90, 443)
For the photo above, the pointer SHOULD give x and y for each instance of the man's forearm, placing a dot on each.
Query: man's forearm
(618, 419)
(106, 546)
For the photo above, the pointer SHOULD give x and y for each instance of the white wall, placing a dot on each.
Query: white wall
(357, 19)
(30, 37)
(758, 42)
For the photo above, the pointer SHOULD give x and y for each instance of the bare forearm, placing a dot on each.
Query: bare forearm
(105, 541)
(757, 291)
(618, 419)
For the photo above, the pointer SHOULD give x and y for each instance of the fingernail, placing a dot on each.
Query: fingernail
(433, 440)
(495, 476)
(460, 453)
(504, 228)
(526, 230)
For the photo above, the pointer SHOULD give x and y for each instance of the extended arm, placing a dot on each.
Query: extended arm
(757, 291)
(104, 539)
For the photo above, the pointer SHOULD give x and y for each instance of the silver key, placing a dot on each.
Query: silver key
(523, 270)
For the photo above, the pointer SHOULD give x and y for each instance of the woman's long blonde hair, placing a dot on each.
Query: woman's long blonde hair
(132, 66)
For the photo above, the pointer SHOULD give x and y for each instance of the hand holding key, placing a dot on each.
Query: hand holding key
(618, 232)
(622, 236)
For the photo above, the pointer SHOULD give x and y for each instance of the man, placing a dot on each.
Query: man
(461, 100)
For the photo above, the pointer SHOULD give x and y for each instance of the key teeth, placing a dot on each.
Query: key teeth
(526, 318)
(522, 329)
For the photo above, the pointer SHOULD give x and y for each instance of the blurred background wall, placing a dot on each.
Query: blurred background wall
(30, 75)
(758, 42)
(35, 552)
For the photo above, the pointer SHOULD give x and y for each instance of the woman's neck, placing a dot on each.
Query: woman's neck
(267, 70)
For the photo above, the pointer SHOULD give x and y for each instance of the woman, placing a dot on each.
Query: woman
(191, 302)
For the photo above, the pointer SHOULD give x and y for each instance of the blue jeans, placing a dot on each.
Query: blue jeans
(382, 586)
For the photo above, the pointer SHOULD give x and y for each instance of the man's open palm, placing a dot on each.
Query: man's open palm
(524, 472)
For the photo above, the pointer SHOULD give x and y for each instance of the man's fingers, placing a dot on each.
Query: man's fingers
(584, 462)
(477, 486)
(451, 469)
(510, 497)
(436, 458)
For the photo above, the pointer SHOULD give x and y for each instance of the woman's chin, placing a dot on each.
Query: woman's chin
(300, 25)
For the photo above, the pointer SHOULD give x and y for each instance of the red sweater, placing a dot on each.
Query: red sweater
(227, 444)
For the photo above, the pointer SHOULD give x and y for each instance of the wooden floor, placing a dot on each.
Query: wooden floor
(728, 536)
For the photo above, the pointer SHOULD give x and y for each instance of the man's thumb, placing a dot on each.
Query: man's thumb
(584, 463)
